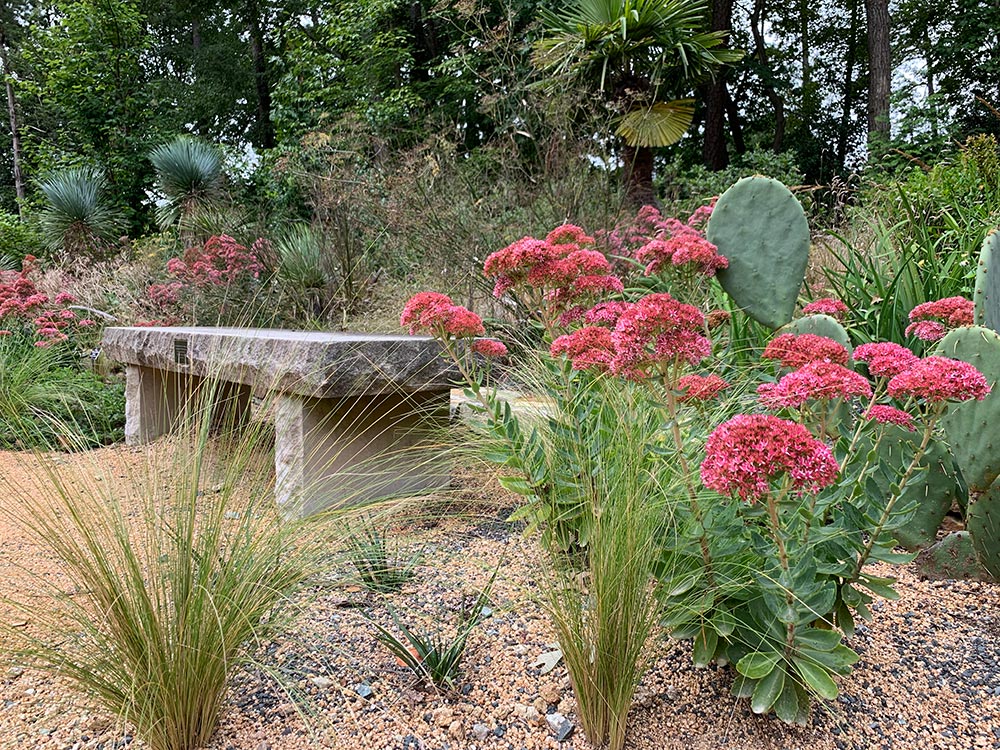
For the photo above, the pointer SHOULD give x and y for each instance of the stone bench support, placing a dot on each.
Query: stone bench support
(356, 417)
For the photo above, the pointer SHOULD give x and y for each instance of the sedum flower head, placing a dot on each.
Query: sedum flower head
(746, 454)
(831, 306)
(797, 349)
(885, 359)
(814, 381)
(937, 379)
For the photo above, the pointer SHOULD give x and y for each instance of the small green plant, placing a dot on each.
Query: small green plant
(380, 569)
(432, 656)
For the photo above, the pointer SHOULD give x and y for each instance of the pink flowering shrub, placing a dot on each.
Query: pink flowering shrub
(788, 497)
(220, 281)
(26, 310)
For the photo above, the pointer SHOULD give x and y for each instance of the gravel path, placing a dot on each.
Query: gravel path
(929, 675)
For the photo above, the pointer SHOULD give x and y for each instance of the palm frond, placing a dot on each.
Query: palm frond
(661, 124)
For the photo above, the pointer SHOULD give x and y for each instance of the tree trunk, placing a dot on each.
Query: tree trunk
(760, 52)
(735, 126)
(848, 101)
(638, 165)
(714, 153)
(265, 128)
(15, 137)
(880, 74)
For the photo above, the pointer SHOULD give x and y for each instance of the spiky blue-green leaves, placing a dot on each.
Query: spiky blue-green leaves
(760, 227)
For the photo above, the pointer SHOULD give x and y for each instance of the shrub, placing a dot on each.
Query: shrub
(17, 239)
(46, 401)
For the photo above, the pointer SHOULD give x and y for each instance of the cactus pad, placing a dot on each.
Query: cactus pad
(760, 227)
(972, 426)
(952, 557)
(987, 293)
(982, 521)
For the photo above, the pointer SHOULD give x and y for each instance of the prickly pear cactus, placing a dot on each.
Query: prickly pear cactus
(987, 293)
(821, 325)
(973, 427)
(952, 557)
(934, 492)
(762, 230)
(982, 521)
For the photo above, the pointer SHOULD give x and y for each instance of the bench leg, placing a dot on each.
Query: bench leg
(155, 401)
(334, 452)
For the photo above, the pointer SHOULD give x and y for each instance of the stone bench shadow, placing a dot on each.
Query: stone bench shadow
(355, 415)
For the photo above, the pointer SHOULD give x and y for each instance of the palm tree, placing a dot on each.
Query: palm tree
(643, 56)
(77, 219)
(189, 174)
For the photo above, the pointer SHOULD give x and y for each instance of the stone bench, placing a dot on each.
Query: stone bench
(353, 413)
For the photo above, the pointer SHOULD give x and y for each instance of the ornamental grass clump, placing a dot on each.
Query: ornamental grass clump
(654, 473)
(169, 579)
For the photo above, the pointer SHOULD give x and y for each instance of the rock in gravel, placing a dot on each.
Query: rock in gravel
(561, 727)
(364, 690)
(15, 672)
(442, 716)
(528, 714)
(550, 693)
(479, 732)
(264, 745)
(321, 682)
(456, 729)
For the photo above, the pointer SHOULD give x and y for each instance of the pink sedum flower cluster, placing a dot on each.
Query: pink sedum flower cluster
(884, 414)
(885, 359)
(219, 262)
(489, 348)
(814, 381)
(588, 348)
(657, 330)
(561, 266)
(930, 321)
(794, 350)
(22, 304)
(684, 249)
(831, 306)
(435, 314)
(746, 454)
(937, 379)
(700, 388)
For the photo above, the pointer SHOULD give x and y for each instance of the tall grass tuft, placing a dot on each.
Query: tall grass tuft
(183, 568)
(606, 487)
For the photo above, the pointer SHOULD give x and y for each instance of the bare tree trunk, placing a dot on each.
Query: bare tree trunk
(714, 153)
(880, 73)
(760, 52)
(265, 128)
(848, 104)
(735, 126)
(638, 165)
(15, 137)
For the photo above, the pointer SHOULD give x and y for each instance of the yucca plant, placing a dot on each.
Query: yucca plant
(77, 218)
(189, 174)
(432, 656)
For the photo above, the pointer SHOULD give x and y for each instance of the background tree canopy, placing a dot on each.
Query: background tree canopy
(100, 83)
